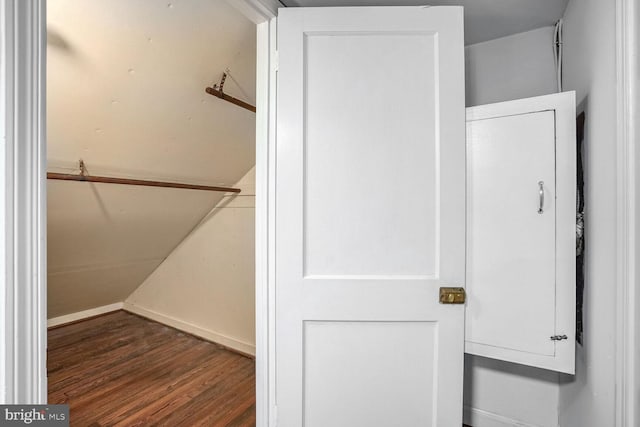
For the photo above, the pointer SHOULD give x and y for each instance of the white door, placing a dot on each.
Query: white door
(521, 180)
(370, 217)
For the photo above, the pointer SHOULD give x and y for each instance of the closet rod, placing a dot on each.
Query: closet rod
(231, 99)
(126, 181)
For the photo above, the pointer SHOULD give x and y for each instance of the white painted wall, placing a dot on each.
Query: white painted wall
(499, 393)
(588, 400)
(513, 67)
(207, 285)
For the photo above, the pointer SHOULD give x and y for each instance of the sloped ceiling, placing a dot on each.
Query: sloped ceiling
(484, 19)
(125, 93)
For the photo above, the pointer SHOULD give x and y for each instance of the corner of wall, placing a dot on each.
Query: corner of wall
(517, 66)
(588, 398)
(206, 286)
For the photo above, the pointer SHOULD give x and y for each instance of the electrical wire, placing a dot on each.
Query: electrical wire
(557, 52)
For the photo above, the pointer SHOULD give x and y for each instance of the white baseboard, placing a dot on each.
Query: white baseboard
(190, 328)
(479, 418)
(74, 317)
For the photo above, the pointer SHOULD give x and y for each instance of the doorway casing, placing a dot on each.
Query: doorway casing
(23, 162)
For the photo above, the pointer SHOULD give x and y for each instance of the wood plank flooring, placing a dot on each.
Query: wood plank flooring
(122, 370)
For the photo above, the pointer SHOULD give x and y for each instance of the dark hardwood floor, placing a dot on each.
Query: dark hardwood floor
(122, 370)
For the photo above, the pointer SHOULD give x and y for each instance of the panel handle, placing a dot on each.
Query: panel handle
(541, 196)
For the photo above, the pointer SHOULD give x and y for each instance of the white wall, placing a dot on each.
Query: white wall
(499, 393)
(207, 285)
(513, 67)
(587, 400)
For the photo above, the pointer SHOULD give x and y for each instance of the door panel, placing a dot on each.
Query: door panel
(511, 246)
(401, 361)
(373, 154)
(370, 222)
(520, 259)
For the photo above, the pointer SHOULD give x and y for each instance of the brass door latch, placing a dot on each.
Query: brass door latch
(452, 296)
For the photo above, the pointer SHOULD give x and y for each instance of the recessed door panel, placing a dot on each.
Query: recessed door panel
(342, 390)
(511, 231)
(375, 157)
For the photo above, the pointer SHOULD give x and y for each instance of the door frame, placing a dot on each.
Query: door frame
(23, 264)
(263, 13)
(23, 331)
(627, 337)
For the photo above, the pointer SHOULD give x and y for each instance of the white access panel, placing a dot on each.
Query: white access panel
(521, 231)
